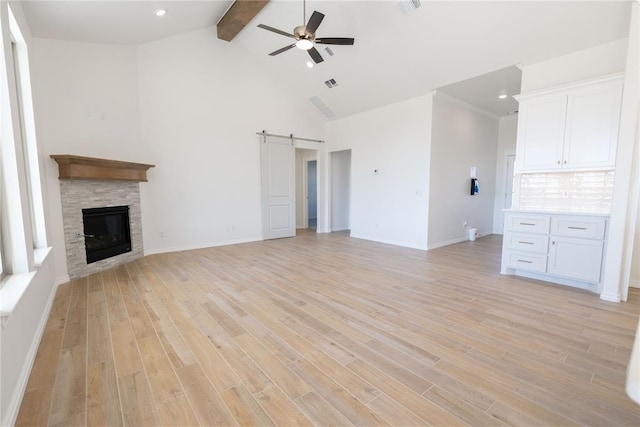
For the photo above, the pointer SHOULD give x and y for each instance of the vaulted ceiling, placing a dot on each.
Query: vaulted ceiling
(400, 52)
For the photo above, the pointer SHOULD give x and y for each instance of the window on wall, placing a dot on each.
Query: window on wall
(27, 135)
(22, 230)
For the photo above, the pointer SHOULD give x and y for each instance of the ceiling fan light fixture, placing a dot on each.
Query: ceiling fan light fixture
(304, 44)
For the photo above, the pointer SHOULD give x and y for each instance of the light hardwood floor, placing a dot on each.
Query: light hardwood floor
(329, 330)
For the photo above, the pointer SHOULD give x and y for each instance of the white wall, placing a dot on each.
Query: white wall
(86, 103)
(191, 105)
(461, 137)
(507, 133)
(340, 189)
(600, 60)
(20, 338)
(391, 206)
(201, 103)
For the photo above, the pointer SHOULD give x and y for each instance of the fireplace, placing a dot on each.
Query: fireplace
(106, 232)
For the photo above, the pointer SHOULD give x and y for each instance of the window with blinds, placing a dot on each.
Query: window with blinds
(582, 192)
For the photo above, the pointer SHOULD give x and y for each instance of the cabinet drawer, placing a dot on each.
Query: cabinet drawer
(529, 262)
(578, 226)
(536, 243)
(528, 223)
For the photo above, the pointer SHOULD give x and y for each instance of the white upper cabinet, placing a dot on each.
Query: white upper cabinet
(575, 127)
(541, 125)
(591, 133)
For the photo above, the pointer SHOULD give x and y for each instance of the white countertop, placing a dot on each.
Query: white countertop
(527, 211)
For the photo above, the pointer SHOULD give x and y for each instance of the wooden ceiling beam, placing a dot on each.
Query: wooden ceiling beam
(239, 14)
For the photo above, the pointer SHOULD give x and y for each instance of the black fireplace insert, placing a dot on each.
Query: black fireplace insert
(106, 232)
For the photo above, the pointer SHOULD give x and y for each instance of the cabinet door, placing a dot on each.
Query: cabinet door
(541, 132)
(579, 259)
(593, 115)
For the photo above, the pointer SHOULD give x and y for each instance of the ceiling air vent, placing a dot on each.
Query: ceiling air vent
(331, 83)
(320, 105)
(408, 6)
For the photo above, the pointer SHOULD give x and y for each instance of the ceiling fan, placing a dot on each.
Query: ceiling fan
(305, 36)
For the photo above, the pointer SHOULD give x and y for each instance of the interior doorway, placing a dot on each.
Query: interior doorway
(341, 190)
(306, 190)
(312, 194)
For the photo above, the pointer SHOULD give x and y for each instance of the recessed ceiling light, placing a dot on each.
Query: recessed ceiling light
(503, 96)
(309, 64)
(161, 12)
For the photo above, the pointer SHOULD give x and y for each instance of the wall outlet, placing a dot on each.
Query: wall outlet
(161, 234)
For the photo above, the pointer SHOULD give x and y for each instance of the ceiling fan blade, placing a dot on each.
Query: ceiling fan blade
(315, 55)
(336, 40)
(275, 30)
(279, 51)
(314, 22)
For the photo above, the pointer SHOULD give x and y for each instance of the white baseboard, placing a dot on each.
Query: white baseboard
(457, 240)
(386, 242)
(447, 243)
(199, 246)
(611, 297)
(62, 280)
(14, 405)
(634, 283)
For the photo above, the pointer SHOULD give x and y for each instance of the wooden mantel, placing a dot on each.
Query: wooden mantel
(77, 167)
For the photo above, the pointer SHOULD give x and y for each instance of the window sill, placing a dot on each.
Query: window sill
(13, 286)
(39, 255)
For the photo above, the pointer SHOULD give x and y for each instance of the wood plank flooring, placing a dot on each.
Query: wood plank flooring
(329, 330)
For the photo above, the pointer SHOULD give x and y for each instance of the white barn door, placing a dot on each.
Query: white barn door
(278, 188)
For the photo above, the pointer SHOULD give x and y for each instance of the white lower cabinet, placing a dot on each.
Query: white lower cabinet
(559, 248)
(579, 259)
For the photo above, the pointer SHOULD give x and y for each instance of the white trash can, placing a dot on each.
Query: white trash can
(472, 234)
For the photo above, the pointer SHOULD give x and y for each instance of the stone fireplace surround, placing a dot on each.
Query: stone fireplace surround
(83, 194)
(95, 183)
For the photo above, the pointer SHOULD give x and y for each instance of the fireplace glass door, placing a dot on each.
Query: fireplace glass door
(106, 232)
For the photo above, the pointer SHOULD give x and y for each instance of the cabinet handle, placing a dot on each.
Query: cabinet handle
(553, 243)
(525, 243)
(526, 223)
(565, 162)
(525, 261)
(577, 228)
(558, 161)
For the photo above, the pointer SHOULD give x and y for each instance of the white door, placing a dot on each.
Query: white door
(278, 188)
